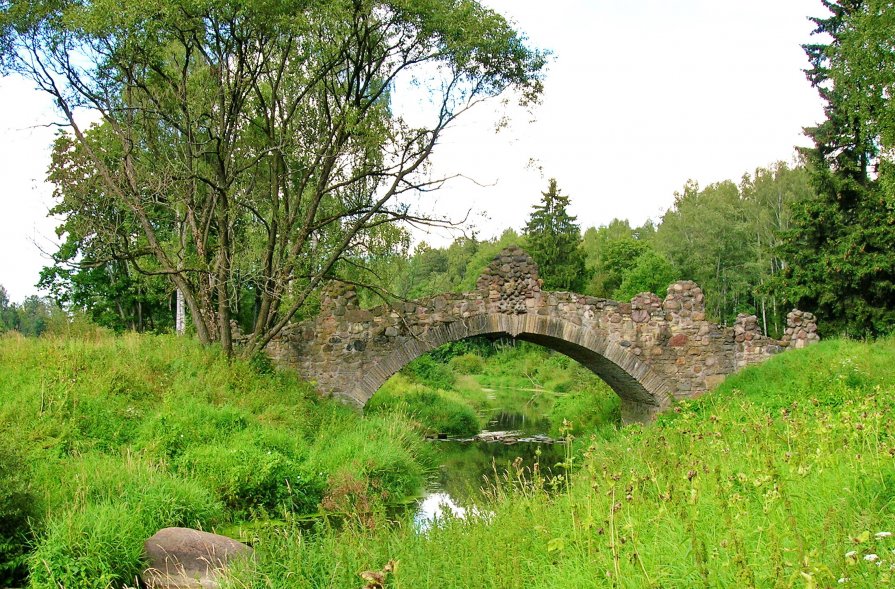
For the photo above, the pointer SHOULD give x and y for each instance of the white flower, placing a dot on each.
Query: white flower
(881, 535)
(871, 558)
(844, 580)
(851, 554)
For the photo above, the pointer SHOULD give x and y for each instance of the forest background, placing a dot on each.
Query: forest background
(815, 233)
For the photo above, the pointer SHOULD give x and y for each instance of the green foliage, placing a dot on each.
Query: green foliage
(610, 251)
(649, 272)
(840, 247)
(594, 410)
(380, 460)
(553, 239)
(616, 258)
(100, 543)
(428, 371)
(434, 411)
(781, 478)
(726, 237)
(123, 435)
(706, 237)
(17, 506)
(90, 272)
(456, 268)
(467, 364)
(250, 479)
(627, 266)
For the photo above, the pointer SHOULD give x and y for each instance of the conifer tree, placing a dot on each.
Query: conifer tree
(841, 249)
(554, 241)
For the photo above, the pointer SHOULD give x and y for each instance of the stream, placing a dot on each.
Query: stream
(467, 466)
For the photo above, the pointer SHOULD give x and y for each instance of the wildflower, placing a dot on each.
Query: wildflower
(843, 580)
(871, 558)
(881, 535)
(851, 554)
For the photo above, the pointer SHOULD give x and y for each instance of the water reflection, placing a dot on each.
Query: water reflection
(516, 421)
(468, 467)
(438, 506)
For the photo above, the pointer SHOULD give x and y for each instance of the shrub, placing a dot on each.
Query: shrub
(427, 371)
(468, 364)
(383, 452)
(433, 411)
(589, 411)
(441, 415)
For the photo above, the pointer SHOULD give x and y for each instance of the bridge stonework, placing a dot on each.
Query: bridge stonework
(649, 350)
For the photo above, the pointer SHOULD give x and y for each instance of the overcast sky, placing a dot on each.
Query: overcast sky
(639, 97)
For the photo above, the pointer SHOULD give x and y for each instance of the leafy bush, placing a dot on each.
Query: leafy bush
(436, 413)
(468, 364)
(382, 455)
(480, 346)
(589, 411)
(428, 371)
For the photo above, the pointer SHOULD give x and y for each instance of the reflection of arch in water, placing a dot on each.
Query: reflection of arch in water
(643, 392)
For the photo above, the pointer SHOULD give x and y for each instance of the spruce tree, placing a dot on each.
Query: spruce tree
(841, 249)
(553, 239)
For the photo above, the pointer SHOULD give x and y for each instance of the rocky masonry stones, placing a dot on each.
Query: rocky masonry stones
(649, 350)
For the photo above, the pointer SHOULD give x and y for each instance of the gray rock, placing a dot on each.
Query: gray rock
(181, 558)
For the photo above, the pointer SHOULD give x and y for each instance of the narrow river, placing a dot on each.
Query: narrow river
(467, 467)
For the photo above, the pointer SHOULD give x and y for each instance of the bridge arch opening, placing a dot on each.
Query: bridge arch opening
(641, 390)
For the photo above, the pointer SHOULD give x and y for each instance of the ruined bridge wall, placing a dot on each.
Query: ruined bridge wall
(650, 350)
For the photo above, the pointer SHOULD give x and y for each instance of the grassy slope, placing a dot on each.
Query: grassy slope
(782, 478)
(120, 436)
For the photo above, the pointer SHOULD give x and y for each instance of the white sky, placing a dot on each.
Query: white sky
(639, 97)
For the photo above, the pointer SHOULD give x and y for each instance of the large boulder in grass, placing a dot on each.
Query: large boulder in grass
(181, 558)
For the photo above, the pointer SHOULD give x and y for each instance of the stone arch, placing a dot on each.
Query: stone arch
(643, 392)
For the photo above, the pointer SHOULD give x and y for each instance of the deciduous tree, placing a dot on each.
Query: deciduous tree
(260, 141)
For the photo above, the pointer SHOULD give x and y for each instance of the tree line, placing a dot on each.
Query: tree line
(248, 152)
(725, 236)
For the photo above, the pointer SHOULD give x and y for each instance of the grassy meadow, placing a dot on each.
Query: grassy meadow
(783, 477)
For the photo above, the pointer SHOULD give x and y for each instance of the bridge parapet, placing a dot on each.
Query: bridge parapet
(649, 350)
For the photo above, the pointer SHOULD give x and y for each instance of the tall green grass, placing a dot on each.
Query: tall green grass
(116, 437)
(437, 412)
(784, 477)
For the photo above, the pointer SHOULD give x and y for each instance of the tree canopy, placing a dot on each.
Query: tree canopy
(252, 148)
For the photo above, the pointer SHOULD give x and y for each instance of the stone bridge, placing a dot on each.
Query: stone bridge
(649, 350)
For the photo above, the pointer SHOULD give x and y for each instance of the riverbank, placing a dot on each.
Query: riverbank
(784, 477)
